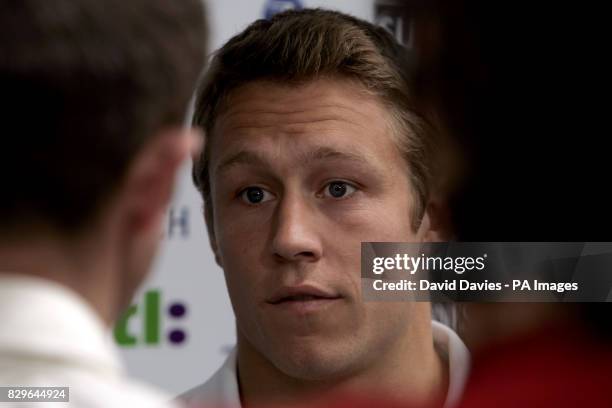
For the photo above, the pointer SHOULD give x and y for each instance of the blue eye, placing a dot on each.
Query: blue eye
(255, 195)
(339, 189)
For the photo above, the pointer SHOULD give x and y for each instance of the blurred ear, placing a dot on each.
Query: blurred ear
(435, 226)
(151, 177)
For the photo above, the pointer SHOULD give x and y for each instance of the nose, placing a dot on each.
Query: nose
(295, 231)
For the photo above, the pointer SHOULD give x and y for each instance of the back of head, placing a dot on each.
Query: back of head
(517, 89)
(521, 105)
(85, 84)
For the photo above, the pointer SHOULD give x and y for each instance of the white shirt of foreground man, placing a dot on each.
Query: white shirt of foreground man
(51, 337)
(221, 390)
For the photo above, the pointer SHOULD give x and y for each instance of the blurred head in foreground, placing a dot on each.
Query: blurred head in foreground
(313, 145)
(525, 121)
(93, 104)
(509, 96)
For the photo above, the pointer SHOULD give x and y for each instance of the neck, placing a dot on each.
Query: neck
(411, 370)
(80, 265)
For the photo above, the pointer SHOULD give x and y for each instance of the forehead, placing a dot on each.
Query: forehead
(293, 120)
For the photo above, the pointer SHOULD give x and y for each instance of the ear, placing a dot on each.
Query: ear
(435, 225)
(151, 177)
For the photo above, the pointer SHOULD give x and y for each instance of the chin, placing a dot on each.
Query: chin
(314, 362)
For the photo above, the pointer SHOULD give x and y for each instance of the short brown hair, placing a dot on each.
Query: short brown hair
(298, 46)
(85, 84)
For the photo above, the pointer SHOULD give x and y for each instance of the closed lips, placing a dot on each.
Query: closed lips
(301, 295)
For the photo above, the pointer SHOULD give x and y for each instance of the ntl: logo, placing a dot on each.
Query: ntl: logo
(150, 313)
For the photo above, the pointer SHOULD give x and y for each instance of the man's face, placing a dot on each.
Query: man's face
(300, 176)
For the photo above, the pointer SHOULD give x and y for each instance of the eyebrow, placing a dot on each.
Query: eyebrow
(252, 158)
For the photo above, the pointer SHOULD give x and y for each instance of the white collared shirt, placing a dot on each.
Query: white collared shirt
(221, 390)
(49, 336)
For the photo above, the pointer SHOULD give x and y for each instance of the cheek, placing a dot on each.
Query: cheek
(375, 220)
(241, 254)
(245, 280)
(241, 241)
(240, 230)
